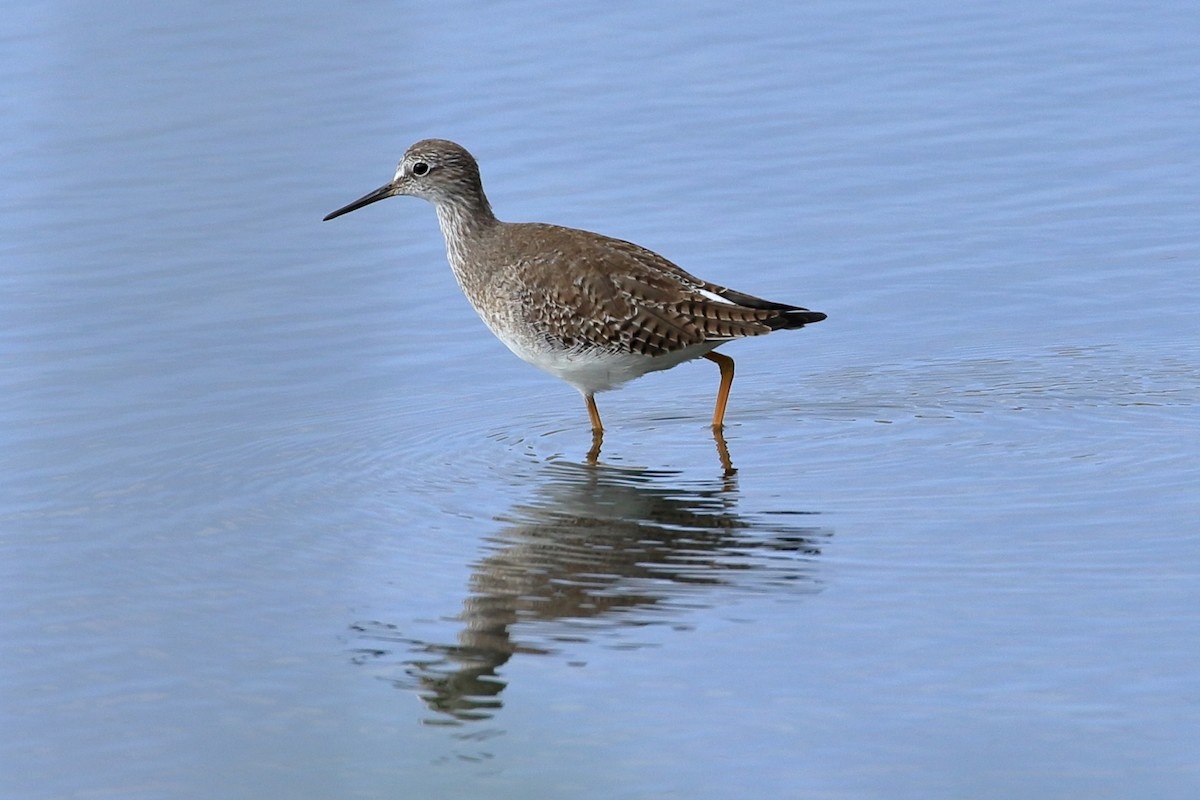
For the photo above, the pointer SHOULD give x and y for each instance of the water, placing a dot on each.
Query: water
(281, 519)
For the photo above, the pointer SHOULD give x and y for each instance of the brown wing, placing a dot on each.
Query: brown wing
(589, 291)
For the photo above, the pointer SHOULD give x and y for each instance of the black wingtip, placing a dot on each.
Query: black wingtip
(789, 317)
(793, 318)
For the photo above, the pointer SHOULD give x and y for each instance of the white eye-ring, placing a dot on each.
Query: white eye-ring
(420, 168)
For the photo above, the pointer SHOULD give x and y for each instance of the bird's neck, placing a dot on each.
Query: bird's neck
(464, 220)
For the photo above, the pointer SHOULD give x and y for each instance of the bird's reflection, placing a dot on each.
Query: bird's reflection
(600, 553)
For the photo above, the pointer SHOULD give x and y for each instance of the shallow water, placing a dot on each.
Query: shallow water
(281, 519)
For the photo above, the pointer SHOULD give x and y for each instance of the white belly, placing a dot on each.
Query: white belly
(596, 370)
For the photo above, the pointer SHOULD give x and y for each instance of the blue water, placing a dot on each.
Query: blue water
(280, 519)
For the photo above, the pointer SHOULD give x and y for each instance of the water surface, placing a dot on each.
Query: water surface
(279, 517)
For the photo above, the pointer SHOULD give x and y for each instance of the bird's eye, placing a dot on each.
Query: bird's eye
(420, 168)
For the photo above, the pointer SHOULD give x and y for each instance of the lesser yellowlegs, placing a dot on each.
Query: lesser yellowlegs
(589, 309)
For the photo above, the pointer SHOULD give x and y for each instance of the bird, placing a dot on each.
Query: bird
(592, 310)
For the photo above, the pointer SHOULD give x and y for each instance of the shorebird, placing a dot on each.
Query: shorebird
(589, 309)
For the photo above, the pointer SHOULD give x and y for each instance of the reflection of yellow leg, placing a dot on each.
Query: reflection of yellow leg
(726, 365)
(597, 441)
(723, 453)
(594, 414)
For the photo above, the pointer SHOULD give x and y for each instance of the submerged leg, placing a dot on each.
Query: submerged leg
(726, 365)
(597, 428)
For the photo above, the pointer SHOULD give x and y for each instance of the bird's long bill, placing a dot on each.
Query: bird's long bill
(366, 200)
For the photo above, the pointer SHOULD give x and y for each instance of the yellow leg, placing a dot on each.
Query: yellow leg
(726, 365)
(597, 430)
(594, 414)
